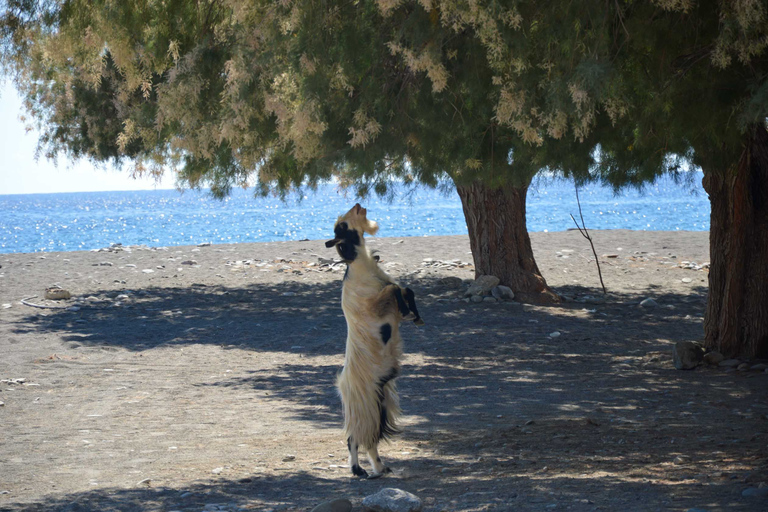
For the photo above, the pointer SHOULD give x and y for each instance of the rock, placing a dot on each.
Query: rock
(743, 367)
(648, 303)
(686, 279)
(57, 293)
(451, 282)
(189, 262)
(610, 256)
(217, 471)
(340, 505)
(687, 355)
(148, 271)
(289, 458)
(392, 500)
(502, 292)
(477, 298)
(482, 286)
(729, 363)
(555, 334)
(759, 367)
(713, 357)
(488, 299)
(755, 492)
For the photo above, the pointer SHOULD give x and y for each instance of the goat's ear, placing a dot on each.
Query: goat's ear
(370, 227)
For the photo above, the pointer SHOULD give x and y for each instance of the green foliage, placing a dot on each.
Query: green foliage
(276, 94)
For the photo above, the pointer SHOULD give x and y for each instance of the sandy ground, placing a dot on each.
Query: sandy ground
(194, 378)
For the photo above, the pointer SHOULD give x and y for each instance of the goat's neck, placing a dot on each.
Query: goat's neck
(362, 266)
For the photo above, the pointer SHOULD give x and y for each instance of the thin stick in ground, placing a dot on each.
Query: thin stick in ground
(585, 233)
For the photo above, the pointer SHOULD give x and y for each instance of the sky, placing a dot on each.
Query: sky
(20, 173)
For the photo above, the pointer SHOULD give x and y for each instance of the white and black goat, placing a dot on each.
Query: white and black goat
(373, 305)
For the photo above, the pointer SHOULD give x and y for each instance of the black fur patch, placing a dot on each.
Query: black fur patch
(358, 471)
(349, 240)
(401, 305)
(411, 300)
(385, 429)
(386, 333)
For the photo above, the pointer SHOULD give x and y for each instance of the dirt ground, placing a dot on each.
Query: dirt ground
(202, 378)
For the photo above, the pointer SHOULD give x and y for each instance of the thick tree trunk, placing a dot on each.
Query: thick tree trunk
(736, 323)
(499, 239)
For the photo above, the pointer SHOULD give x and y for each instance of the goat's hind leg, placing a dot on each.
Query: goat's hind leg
(353, 461)
(379, 469)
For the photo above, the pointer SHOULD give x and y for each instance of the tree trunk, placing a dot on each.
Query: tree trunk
(499, 239)
(736, 323)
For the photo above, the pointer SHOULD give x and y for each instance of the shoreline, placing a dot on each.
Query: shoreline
(534, 234)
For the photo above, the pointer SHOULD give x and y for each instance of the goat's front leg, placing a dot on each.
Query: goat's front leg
(403, 300)
(411, 301)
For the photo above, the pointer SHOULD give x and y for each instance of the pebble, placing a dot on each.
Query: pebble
(713, 357)
(130, 265)
(7, 306)
(759, 367)
(451, 282)
(555, 334)
(610, 255)
(482, 286)
(148, 271)
(289, 458)
(476, 298)
(648, 303)
(686, 279)
(502, 292)
(57, 293)
(217, 471)
(489, 299)
(392, 500)
(755, 492)
(729, 363)
(288, 294)
(687, 355)
(743, 367)
(188, 262)
(339, 505)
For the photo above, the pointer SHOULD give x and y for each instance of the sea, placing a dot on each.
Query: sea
(93, 220)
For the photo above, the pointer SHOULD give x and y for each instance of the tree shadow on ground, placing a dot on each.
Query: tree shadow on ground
(493, 398)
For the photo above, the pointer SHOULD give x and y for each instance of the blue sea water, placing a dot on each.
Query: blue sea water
(90, 220)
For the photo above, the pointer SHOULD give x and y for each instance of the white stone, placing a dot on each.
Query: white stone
(649, 303)
(392, 500)
(482, 286)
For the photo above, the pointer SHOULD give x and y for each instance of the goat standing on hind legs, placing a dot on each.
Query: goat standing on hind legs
(373, 305)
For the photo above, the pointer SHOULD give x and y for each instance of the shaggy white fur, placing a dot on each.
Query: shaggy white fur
(373, 305)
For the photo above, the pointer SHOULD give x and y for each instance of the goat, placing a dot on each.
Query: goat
(373, 305)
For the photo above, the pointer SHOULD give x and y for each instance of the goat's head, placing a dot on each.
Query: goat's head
(348, 232)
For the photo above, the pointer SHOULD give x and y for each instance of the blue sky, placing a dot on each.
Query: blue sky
(20, 173)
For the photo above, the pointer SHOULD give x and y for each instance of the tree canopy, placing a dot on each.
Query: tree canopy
(223, 90)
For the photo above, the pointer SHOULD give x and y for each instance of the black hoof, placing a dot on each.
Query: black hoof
(419, 321)
(358, 471)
